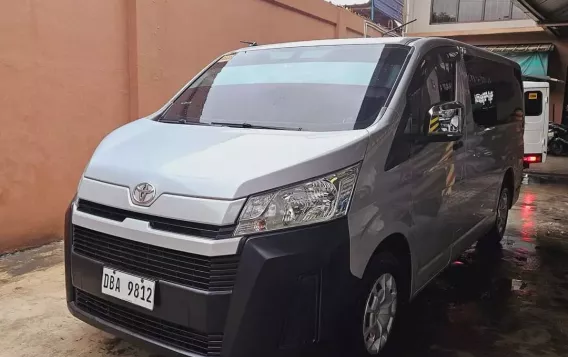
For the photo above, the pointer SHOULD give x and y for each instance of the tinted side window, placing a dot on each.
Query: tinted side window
(533, 103)
(434, 81)
(495, 91)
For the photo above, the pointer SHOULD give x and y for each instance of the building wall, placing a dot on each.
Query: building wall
(421, 9)
(72, 71)
(64, 84)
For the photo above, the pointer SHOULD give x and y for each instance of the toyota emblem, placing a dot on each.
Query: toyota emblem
(143, 194)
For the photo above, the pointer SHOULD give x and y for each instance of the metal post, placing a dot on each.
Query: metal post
(372, 10)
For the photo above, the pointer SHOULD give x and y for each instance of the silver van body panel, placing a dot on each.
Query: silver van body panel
(386, 203)
(219, 162)
(380, 205)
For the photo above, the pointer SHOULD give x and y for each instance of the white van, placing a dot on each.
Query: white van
(536, 121)
(296, 196)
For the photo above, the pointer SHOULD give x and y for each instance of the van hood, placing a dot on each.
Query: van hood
(219, 162)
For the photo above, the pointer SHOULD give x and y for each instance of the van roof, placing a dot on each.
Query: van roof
(334, 42)
(419, 43)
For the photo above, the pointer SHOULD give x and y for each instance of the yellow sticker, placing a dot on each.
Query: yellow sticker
(227, 58)
(533, 95)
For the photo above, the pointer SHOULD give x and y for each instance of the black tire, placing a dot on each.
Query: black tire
(382, 264)
(555, 148)
(498, 231)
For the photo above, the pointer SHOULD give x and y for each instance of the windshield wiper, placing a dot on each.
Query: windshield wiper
(253, 126)
(182, 121)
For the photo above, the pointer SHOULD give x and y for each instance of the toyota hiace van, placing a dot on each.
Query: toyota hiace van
(295, 195)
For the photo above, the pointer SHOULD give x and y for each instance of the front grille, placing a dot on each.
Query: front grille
(150, 327)
(205, 273)
(158, 223)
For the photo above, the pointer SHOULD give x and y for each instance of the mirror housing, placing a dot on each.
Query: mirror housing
(445, 122)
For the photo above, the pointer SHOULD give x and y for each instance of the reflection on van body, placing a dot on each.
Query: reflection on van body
(293, 197)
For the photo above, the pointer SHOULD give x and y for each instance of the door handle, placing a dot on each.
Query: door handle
(458, 144)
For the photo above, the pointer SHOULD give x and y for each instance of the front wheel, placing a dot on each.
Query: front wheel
(379, 302)
(380, 312)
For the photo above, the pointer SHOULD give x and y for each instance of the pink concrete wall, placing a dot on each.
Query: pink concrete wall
(63, 85)
(71, 71)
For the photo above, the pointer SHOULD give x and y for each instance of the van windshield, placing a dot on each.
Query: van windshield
(321, 88)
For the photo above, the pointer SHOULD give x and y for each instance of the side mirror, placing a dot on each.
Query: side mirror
(445, 122)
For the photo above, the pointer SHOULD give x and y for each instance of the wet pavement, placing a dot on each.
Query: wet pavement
(505, 300)
(501, 300)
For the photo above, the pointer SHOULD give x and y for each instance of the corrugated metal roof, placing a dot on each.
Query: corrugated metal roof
(548, 11)
(539, 47)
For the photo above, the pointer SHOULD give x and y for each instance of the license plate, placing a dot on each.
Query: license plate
(123, 286)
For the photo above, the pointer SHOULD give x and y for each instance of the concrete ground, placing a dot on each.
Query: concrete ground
(509, 301)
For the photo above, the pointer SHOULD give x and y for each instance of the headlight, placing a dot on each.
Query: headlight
(314, 201)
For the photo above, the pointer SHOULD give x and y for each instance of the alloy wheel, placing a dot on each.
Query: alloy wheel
(503, 212)
(380, 312)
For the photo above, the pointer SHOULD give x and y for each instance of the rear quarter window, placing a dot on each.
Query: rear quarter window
(496, 92)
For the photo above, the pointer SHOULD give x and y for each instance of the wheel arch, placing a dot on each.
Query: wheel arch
(398, 245)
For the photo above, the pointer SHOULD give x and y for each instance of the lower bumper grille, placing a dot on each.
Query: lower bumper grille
(150, 327)
(204, 273)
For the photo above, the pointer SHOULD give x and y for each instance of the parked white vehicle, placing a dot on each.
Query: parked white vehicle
(536, 121)
(292, 198)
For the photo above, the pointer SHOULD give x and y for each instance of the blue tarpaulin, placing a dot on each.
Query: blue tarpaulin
(532, 64)
(533, 58)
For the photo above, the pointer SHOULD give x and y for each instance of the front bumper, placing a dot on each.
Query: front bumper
(289, 297)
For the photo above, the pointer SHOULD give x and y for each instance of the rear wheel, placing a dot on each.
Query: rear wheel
(502, 215)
